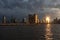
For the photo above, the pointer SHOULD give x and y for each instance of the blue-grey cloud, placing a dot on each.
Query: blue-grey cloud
(21, 8)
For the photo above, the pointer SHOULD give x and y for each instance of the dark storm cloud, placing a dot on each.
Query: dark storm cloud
(19, 6)
(22, 8)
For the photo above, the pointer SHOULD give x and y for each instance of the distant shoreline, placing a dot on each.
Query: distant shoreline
(17, 24)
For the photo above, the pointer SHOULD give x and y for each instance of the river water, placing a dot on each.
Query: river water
(30, 32)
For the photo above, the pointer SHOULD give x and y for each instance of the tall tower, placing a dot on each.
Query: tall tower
(35, 18)
(13, 19)
(30, 18)
(4, 19)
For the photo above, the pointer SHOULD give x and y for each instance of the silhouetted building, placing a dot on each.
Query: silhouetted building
(55, 20)
(24, 20)
(43, 20)
(33, 18)
(4, 20)
(30, 18)
(13, 20)
(17, 20)
(58, 21)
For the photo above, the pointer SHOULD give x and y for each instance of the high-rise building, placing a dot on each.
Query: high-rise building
(36, 18)
(4, 19)
(24, 20)
(30, 18)
(33, 18)
(13, 20)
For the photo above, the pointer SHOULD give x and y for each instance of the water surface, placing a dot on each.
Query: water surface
(30, 32)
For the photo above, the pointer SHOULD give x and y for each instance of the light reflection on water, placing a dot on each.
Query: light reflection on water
(31, 32)
(49, 34)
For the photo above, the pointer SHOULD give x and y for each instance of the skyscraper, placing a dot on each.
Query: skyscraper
(13, 19)
(4, 19)
(33, 18)
(30, 18)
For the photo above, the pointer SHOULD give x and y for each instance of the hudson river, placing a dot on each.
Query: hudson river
(30, 32)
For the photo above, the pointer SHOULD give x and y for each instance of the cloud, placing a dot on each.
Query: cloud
(52, 12)
(24, 7)
(25, 0)
(52, 3)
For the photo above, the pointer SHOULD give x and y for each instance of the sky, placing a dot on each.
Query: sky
(21, 8)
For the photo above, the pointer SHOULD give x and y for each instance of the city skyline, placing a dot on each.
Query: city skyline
(30, 19)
